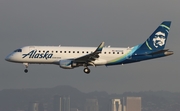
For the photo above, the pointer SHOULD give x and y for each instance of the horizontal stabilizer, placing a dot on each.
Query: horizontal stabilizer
(158, 52)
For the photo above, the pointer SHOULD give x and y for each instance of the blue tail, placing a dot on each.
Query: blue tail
(158, 38)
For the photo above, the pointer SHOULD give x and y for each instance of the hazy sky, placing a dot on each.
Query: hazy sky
(119, 23)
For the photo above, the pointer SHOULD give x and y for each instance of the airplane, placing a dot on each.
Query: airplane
(69, 57)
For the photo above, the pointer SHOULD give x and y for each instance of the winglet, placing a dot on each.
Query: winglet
(100, 47)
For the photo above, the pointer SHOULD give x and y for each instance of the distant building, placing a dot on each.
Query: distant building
(91, 105)
(115, 105)
(124, 108)
(35, 107)
(61, 103)
(74, 109)
(66, 103)
(56, 103)
(45, 106)
(133, 104)
(124, 104)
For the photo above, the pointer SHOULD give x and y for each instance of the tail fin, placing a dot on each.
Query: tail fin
(158, 38)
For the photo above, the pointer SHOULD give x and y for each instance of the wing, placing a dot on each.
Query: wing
(92, 56)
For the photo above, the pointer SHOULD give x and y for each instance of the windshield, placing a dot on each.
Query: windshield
(18, 50)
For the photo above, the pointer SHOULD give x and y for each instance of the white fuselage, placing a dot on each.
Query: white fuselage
(53, 54)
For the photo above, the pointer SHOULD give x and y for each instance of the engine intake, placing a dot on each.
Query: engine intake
(67, 64)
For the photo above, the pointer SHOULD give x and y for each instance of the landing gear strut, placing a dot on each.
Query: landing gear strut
(86, 70)
(26, 65)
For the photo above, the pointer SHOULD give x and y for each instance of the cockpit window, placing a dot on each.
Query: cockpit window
(18, 50)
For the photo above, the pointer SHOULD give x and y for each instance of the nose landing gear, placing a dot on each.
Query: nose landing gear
(26, 65)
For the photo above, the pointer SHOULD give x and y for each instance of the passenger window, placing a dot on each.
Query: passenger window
(43, 51)
(64, 51)
(77, 51)
(109, 52)
(52, 51)
(104, 52)
(69, 51)
(60, 51)
(113, 52)
(39, 51)
(87, 52)
(56, 51)
(82, 51)
(117, 52)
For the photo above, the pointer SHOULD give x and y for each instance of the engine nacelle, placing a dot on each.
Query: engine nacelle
(67, 64)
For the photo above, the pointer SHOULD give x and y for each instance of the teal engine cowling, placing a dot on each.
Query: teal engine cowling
(67, 64)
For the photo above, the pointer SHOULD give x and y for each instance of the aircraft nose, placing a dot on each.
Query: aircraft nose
(7, 58)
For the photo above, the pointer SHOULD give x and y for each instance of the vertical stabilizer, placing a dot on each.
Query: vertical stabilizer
(158, 38)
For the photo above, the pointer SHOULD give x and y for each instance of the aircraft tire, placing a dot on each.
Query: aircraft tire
(86, 70)
(25, 70)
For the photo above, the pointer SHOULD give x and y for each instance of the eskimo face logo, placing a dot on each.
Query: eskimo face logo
(159, 39)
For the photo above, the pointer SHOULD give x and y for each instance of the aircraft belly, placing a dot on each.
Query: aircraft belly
(100, 62)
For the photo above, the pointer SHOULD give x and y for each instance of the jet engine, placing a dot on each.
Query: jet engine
(67, 64)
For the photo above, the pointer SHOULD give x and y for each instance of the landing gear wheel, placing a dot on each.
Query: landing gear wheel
(25, 70)
(26, 65)
(86, 70)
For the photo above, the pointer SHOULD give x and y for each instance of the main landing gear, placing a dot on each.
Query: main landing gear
(86, 70)
(26, 65)
(25, 70)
